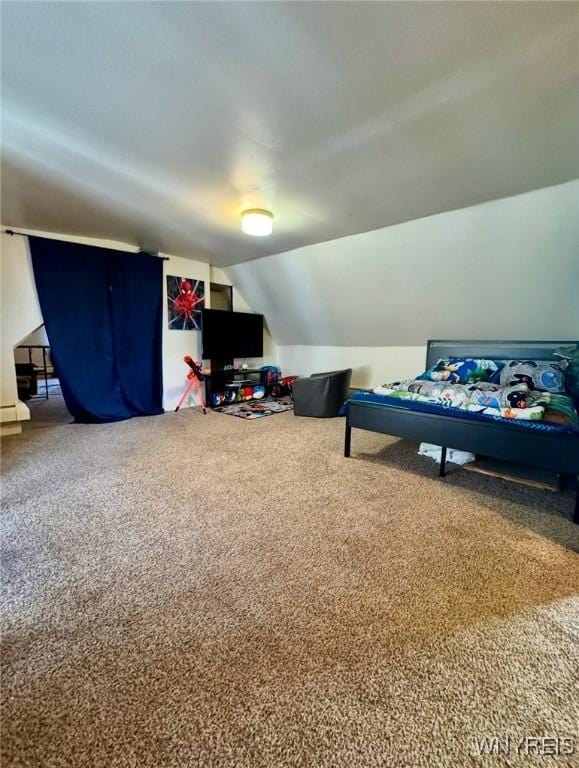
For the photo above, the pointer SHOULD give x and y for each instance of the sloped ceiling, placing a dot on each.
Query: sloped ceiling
(506, 269)
(157, 123)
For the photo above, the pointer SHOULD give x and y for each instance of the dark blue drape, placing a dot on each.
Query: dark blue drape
(103, 315)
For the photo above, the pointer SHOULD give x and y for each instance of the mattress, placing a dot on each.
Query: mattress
(371, 398)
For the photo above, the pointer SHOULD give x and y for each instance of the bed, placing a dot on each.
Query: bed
(542, 445)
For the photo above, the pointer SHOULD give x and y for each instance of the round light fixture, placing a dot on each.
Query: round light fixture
(257, 222)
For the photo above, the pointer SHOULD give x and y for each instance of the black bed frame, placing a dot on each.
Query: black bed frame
(549, 450)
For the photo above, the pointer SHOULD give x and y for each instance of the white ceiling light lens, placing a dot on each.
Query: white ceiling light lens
(257, 222)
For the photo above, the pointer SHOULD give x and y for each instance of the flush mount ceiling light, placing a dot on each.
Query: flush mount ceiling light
(257, 222)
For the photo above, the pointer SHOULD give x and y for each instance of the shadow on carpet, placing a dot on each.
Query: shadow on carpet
(523, 503)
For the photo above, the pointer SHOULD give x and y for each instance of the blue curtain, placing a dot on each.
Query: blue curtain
(103, 315)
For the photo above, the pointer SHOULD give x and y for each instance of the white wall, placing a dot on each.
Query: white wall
(36, 338)
(177, 344)
(19, 312)
(504, 269)
(371, 365)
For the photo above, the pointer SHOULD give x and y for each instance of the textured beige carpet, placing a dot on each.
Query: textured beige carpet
(203, 591)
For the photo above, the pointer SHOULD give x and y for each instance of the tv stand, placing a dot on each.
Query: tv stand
(219, 377)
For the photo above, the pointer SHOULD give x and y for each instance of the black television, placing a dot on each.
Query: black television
(227, 335)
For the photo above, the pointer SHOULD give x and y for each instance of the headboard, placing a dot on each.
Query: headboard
(494, 350)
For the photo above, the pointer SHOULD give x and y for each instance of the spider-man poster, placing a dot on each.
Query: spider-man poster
(185, 300)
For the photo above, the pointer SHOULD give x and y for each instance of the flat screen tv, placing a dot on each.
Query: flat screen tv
(231, 334)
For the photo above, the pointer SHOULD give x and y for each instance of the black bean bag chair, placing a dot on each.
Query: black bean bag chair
(322, 394)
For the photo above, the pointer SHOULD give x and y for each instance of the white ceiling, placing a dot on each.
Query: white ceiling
(158, 123)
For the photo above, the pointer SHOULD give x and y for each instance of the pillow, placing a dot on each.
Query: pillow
(544, 375)
(518, 396)
(460, 370)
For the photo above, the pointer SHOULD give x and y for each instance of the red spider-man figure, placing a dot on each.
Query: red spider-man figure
(185, 305)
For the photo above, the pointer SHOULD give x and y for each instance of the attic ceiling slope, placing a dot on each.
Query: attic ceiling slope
(506, 269)
(158, 123)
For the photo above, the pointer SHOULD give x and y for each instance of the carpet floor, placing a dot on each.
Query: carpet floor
(204, 591)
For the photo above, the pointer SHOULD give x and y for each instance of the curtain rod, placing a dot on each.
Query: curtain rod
(11, 232)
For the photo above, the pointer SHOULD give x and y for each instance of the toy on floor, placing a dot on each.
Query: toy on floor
(195, 376)
(283, 387)
(217, 398)
(269, 377)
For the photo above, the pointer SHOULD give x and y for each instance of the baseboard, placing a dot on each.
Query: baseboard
(11, 417)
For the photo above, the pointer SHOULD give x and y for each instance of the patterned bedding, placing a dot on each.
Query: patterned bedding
(515, 402)
(516, 399)
(527, 391)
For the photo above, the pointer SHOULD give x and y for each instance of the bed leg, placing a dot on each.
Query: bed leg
(347, 440)
(442, 470)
